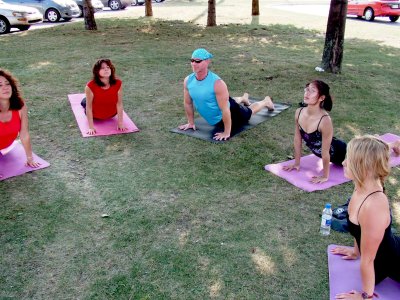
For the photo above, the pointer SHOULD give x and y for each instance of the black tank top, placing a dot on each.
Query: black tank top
(387, 259)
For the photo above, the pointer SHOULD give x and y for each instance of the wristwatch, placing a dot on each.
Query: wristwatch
(364, 295)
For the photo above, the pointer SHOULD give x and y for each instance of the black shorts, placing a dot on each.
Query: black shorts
(240, 114)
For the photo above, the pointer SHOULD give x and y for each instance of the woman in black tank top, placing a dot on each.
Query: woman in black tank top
(369, 218)
(314, 126)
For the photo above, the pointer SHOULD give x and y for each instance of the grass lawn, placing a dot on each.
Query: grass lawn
(188, 219)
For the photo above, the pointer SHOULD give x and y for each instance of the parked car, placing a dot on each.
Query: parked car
(372, 9)
(52, 10)
(97, 5)
(117, 4)
(138, 2)
(17, 16)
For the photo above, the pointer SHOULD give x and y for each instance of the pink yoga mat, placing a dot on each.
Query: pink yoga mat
(13, 163)
(103, 127)
(311, 165)
(344, 276)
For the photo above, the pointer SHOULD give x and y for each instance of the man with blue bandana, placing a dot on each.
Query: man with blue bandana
(209, 95)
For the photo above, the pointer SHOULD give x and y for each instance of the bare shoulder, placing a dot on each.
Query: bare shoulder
(376, 202)
(220, 85)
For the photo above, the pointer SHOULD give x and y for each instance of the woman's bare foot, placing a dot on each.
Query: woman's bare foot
(396, 147)
(268, 103)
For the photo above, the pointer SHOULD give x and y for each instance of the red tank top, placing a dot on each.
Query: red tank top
(104, 101)
(9, 130)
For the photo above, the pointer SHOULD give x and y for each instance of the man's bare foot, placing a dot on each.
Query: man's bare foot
(243, 100)
(268, 103)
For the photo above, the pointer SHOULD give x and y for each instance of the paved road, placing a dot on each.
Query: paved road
(310, 14)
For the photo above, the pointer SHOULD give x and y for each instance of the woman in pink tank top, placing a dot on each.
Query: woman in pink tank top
(13, 118)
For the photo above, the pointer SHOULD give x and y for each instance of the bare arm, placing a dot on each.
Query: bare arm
(374, 218)
(89, 110)
(222, 95)
(120, 111)
(25, 138)
(297, 145)
(326, 129)
(189, 110)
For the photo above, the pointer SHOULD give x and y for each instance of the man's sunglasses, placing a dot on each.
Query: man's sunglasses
(197, 61)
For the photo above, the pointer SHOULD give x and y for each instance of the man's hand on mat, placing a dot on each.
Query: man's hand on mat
(91, 131)
(187, 126)
(221, 136)
(291, 168)
(348, 253)
(352, 295)
(319, 179)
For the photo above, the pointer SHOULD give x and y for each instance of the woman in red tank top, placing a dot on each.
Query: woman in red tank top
(13, 117)
(104, 95)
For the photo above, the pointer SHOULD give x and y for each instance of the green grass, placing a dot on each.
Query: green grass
(188, 219)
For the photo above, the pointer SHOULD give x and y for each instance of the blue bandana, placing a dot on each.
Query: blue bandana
(202, 54)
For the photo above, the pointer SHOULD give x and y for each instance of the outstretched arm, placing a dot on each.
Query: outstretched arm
(222, 95)
(326, 129)
(120, 111)
(89, 110)
(25, 138)
(297, 145)
(189, 110)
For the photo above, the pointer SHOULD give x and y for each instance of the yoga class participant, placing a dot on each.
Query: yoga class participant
(103, 95)
(13, 118)
(208, 93)
(314, 126)
(369, 218)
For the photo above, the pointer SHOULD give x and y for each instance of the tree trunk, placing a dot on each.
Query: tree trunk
(88, 15)
(334, 38)
(148, 8)
(255, 8)
(211, 19)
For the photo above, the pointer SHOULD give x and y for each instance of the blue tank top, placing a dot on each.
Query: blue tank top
(203, 96)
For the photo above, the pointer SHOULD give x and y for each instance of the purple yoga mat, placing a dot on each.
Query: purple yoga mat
(13, 163)
(344, 276)
(311, 165)
(103, 127)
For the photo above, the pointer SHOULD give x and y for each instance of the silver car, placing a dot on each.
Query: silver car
(17, 16)
(117, 4)
(52, 10)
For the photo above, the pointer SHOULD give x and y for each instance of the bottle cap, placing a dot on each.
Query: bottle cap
(328, 205)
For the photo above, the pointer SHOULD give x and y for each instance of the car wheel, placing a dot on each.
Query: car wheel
(4, 26)
(369, 14)
(393, 18)
(80, 10)
(159, 1)
(23, 27)
(114, 4)
(52, 15)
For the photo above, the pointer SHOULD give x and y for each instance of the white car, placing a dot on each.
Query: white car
(17, 16)
(97, 5)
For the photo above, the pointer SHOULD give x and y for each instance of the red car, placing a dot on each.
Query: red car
(372, 9)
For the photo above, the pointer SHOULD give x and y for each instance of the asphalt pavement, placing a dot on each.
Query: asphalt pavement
(309, 14)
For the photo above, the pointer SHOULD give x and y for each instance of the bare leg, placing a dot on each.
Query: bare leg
(257, 106)
(243, 100)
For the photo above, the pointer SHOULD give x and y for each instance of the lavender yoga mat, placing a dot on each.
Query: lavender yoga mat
(13, 163)
(103, 127)
(344, 276)
(311, 165)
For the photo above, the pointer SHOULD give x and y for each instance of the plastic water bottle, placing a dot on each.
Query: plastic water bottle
(326, 220)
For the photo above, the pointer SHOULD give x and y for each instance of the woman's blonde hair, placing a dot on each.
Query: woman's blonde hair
(368, 154)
